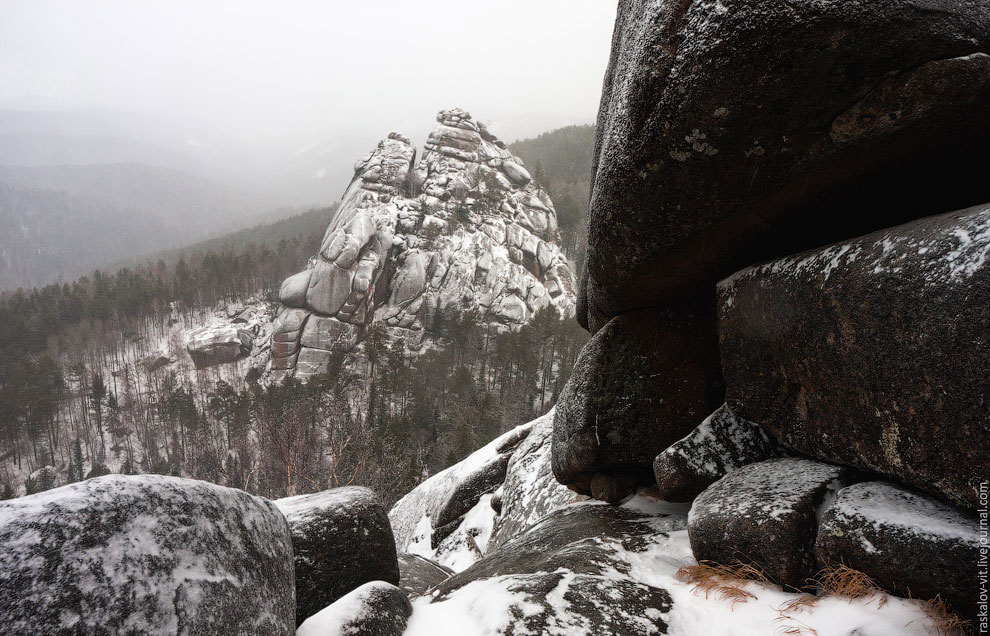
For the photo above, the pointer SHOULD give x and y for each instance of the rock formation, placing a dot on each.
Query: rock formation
(341, 539)
(751, 142)
(729, 134)
(714, 153)
(465, 228)
(888, 331)
(144, 555)
(556, 562)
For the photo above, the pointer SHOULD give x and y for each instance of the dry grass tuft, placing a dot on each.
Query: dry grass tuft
(798, 604)
(722, 581)
(837, 581)
(793, 627)
(845, 582)
(947, 622)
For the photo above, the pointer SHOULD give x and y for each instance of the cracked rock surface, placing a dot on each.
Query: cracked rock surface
(464, 227)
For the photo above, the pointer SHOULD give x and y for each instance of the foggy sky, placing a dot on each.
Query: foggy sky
(275, 70)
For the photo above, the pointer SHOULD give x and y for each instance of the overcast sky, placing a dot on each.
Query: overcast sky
(275, 69)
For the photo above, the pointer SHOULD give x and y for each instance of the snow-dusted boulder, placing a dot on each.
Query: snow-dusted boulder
(463, 228)
(465, 488)
(719, 445)
(909, 543)
(563, 575)
(341, 539)
(417, 574)
(530, 491)
(766, 514)
(218, 344)
(149, 555)
(640, 384)
(374, 609)
(872, 352)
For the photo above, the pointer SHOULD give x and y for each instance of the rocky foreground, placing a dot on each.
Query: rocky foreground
(520, 555)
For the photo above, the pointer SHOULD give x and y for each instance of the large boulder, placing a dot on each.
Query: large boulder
(872, 352)
(732, 133)
(910, 544)
(374, 609)
(719, 445)
(766, 515)
(144, 555)
(218, 344)
(640, 384)
(342, 539)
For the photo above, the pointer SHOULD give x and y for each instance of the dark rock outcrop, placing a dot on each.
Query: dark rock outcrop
(417, 574)
(374, 609)
(766, 515)
(639, 385)
(727, 135)
(341, 539)
(872, 352)
(144, 555)
(910, 544)
(719, 445)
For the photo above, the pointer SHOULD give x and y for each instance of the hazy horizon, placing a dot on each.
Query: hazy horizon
(186, 120)
(267, 74)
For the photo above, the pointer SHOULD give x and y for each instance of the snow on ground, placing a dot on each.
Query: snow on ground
(411, 515)
(469, 542)
(486, 607)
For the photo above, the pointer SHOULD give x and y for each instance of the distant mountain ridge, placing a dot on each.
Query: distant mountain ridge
(190, 204)
(47, 235)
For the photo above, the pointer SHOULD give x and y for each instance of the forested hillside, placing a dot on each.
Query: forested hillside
(47, 234)
(94, 375)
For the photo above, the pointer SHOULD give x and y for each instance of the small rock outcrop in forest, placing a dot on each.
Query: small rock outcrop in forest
(464, 228)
